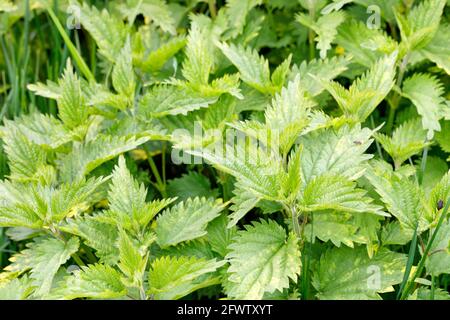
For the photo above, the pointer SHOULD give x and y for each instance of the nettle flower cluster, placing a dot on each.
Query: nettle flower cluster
(298, 186)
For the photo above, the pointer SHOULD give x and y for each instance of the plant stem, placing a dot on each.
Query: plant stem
(425, 253)
(212, 8)
(423, 164)
(161, 185)
(380, 152)
(295, 224)
(395, 101)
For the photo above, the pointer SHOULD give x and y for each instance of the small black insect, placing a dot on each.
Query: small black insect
(440, 204)
(357, 142)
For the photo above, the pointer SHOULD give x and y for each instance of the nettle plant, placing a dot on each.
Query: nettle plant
(251, 150)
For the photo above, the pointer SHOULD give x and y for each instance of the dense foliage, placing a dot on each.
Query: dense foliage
(240, 149)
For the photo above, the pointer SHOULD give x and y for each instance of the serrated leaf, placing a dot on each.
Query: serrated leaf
(87, 156)
(403, 199)
(16, 289)
(237, 11)
(108, 31)
(345, 273)
(25, 158)
(421, 23)
(367, 92)
(171, 100)
(326, 69)
(173, 278)
(72, 108)
(437, 50)
(358, 40)
(123, 78)
(43, 130)
(334, 192)
(335, 151)
(131, 262)
(407, 140)
(43, 257)
(158, 58)
(253, 68)
(190, 185)
(95, 281)
(288, 114)
(219, 235)
(186, 221)
(325, 27)
(425, 92)
(262, 259)
(199, 61)
(100, 236)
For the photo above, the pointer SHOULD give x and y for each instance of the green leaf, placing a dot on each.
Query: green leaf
(41, 129)
(335, 151)
(349, 274)
(326, 69)
(403, 199)
(50, 90)
(123, 78)
(443, 137)
(156, 10)
(199, 61)
(437, 51)
(237, 12)
(87, 156)
(172, 278)
(127, 204)
(95, 281)
(438, 261)
(407, 140)
(334, 192)
(36, 206)
(100, 236)
(425, 294)
(367, 92)
(219, 235)
(421, 23)
(16, 289)
(440, 192)
(365, 45)
(44, 257)
(72, 108)
(157, 59)
(190, 185)
(425, 92)
(26, 159)
(344, 228)
(288, 114)
(394, 233)
(253, 68)
(131, 262)
(108, 31)
(165, 100)
(262, 260)
(325, 27)
(186, 220)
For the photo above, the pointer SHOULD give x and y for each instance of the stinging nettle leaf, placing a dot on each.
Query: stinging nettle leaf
(262, 259)
(186, 220)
